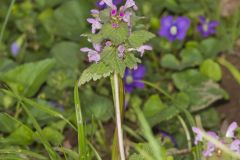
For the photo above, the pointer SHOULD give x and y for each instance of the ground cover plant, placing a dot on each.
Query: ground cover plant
(119, 79)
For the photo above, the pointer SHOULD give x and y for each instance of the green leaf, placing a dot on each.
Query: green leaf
(6, 64)
(153, 105)
(136, 157)
(210, 47)
(92, 108)
(180, 102)
(95, 38)
(111, 59)
(204, 95)
(94, 72)
(138, 38)
(7, 124)
(67, 20)
(29, 77)
(210, 118)
(211, 69)
(52, 135)
(188, 78)
(170, 61)
(131, 61)
(116, 35)
(21, 136)
(66, 54)
(190, 57)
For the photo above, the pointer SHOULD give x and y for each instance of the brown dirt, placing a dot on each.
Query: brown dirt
(230, 110)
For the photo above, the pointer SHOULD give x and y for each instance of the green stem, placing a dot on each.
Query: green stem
(118, 95)
(188, 136)
(6, 20)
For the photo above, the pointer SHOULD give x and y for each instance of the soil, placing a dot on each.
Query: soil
(230, 110)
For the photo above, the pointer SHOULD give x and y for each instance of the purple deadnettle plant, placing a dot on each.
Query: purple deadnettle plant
(133, 77)
(173, 29)
(117, 47)
(207, 27)
(230, 140)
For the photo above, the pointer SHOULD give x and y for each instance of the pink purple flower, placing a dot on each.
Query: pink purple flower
(123, 14)
(93, 55)
(141, 49)
(231, 129)
(173, 29)
(206, 27)
(235, 146)
(95, 24)
(133, 77)
(121, 51)
(103, 5)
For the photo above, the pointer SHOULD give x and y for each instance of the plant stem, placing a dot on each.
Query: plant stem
(188, 136)
(6, 20)
(118, 116)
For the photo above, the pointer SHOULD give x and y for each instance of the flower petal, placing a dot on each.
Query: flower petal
(139, 73)
(85, 49)
(202, 19)
(110, 4)
(97, 47)
(198, 137)
(121, 51)
(129, 4)
(235, 146)
(230, 131)
(138, 84)
(94, 56)
(166, 23)
(183, 24)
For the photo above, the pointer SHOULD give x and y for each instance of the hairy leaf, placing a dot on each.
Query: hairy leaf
(138, 38)
(95, 72)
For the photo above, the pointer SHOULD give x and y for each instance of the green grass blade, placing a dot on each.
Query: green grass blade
(82, 145)
(40, 106)
(233, 70)
(18, 151)
(94, 151)
(146, 129)
(72, 154)
(52, 154)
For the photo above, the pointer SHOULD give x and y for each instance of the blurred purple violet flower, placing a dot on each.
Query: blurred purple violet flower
(206, 27)
(141, 49)
(133, 77)
(174, 29)
(15, 48)
(93, 55)
(95, 24)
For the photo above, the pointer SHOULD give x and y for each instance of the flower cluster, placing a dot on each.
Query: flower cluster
(230, 139)
(176, 29)
(117, 15)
